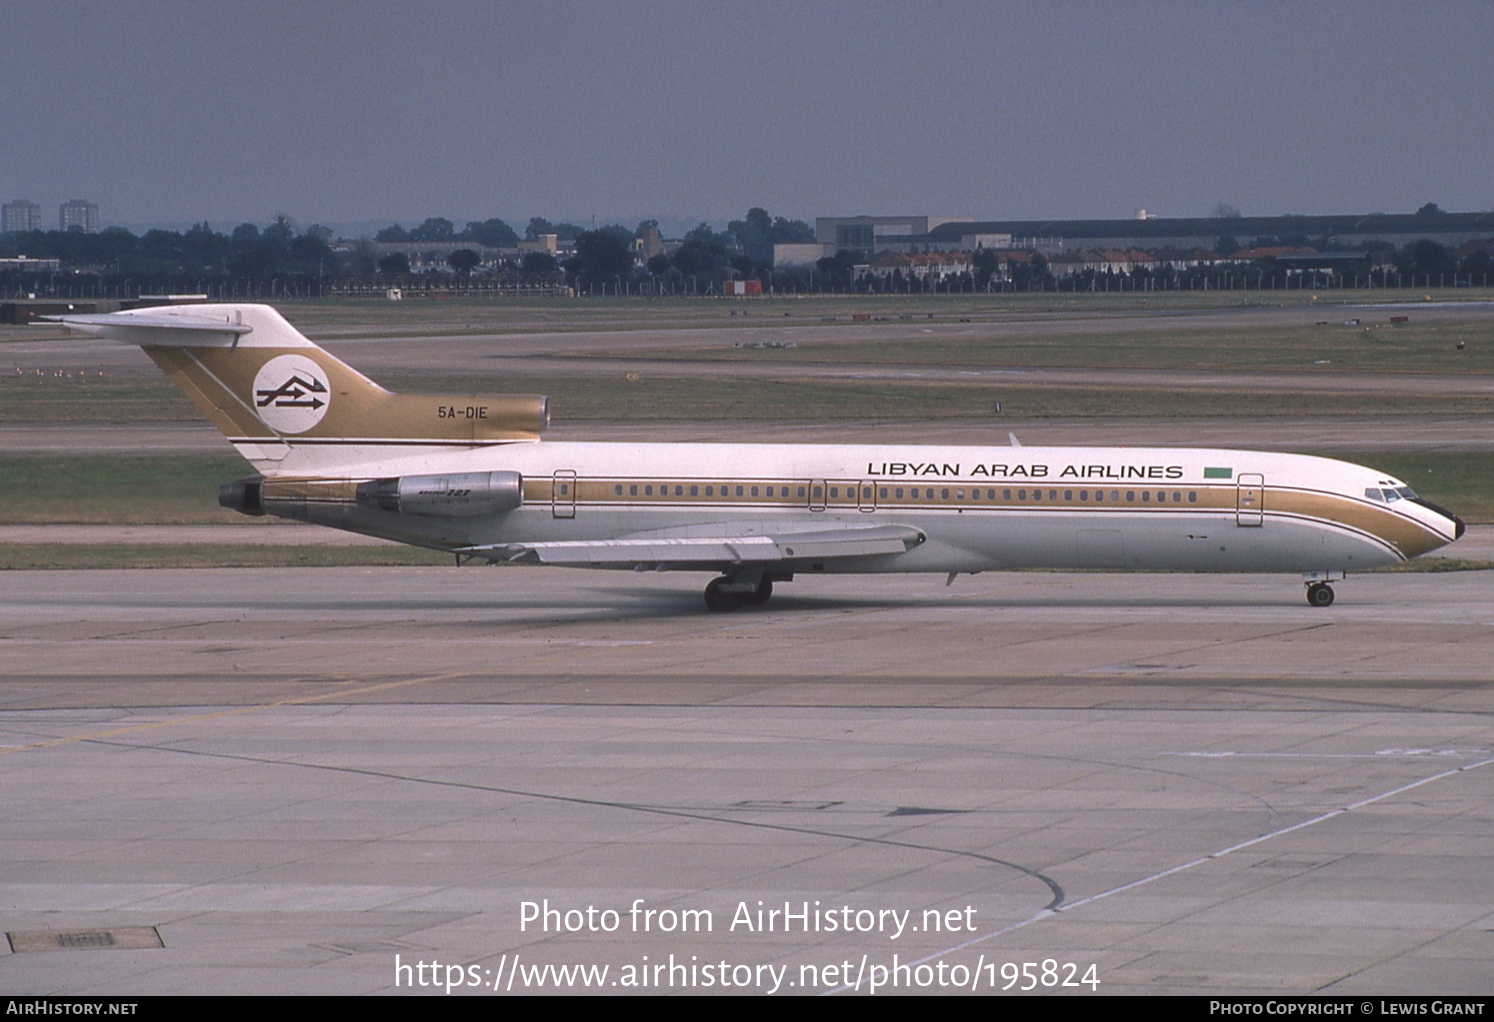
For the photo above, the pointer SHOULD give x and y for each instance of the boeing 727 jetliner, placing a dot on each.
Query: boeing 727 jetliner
(469, 475)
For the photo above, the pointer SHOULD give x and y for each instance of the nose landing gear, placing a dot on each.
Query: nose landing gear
(1320, 594)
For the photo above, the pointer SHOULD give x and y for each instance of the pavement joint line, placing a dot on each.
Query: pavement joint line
(1050, 912)
(638, 807)
(234, 712)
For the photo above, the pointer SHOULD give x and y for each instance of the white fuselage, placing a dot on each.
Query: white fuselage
(981, 508)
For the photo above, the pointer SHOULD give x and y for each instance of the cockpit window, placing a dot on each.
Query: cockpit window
(1391, 496)
(1373, 493)
(1407, 492)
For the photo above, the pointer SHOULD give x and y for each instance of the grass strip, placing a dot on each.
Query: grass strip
(36, 556)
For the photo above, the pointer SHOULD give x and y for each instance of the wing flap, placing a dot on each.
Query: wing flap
(707, 550)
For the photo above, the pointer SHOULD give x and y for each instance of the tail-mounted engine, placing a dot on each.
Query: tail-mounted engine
(464, 494)
(247, 495)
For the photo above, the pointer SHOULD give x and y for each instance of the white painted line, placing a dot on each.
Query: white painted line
(1049, 913)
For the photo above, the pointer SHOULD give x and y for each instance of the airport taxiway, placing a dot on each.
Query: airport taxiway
(1195, 783)
(292, 781)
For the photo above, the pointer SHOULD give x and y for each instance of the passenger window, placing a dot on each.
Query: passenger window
(959, 494)
(882, 493)
(739, 491)
(754, 491)
(1068, 495)
(1021, 494)
(1115, 496)
(1052, 494)
(710, 491)
(648, 490)
(617, 491)
(898, 493)
(1146, 496)
(695, 491)
(1006, 494)
(633, 490)
(1193, 496)
(1084, 495)
(1177, 498)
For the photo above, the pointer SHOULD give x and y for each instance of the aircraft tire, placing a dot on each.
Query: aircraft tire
(763, 595)
(1320, 595)
(719, 602)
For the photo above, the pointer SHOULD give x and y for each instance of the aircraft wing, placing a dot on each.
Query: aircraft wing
(647, 551)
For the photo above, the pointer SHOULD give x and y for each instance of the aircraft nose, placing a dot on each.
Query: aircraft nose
(1458, 527)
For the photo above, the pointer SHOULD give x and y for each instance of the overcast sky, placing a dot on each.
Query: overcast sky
(348, 111)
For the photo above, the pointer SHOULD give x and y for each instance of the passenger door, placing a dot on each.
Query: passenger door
(1250, 499)
(563, 493)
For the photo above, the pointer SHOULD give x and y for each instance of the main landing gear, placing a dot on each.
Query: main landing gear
(1320, 594)
(726, 593)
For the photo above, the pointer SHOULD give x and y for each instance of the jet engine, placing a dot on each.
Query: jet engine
(460, 494)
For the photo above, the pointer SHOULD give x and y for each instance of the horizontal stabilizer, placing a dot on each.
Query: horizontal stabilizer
(158, 330)
(708, 550)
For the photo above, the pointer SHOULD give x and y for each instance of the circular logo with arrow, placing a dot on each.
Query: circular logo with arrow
(291, 393)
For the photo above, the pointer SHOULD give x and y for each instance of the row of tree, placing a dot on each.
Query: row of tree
(603, 260)
(491, 233)
(246, 251)
(601, 255)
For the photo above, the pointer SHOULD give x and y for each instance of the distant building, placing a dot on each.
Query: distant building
(79, 213)
(27, 265)
(1253, 252)
(547, 244)
(428, 256)
(1186, 258)
(647, 243)
(878, 233)
(1108, 260)
(20, 215)
(922, 265)
(1346, 231)
(799, 253)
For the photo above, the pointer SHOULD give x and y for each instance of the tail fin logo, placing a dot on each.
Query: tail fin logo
(291, 394)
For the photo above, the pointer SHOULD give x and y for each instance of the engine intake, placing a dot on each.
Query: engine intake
(246, 496)
(458, 495)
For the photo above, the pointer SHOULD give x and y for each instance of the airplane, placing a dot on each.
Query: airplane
(469, 475)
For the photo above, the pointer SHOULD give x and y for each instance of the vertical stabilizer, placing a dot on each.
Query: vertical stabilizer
(290, 407)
